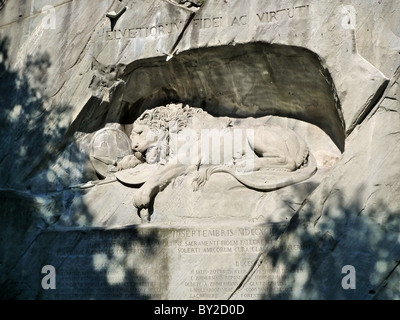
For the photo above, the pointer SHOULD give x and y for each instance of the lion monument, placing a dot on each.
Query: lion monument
(174, 140)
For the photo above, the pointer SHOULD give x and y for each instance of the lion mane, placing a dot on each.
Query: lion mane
(171, 118)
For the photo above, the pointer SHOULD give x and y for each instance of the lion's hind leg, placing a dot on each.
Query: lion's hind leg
(271, 149)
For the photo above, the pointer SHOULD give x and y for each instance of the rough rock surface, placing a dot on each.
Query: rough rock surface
(348, 220)
(70, 68)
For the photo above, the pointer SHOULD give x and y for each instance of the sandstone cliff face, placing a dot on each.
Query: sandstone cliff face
(348, 220)
(327, 70)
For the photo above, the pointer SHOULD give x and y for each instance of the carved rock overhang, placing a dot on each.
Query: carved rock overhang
(245, 80)
(232, 59)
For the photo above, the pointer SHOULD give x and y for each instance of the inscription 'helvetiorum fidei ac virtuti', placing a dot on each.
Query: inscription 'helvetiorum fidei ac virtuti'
(166, 28)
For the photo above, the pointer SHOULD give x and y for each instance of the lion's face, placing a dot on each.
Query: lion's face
(143, 137)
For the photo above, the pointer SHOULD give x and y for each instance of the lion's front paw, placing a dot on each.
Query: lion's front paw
(128, 162)
(141, 199)
(144, 215)
(243, 165)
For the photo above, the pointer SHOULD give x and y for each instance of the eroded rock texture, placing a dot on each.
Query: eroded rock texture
(328, 71)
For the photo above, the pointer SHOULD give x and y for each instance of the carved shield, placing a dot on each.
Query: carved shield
(138, 175)
(108, 145)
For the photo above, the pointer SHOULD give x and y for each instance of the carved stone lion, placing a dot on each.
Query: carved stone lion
(178, 140)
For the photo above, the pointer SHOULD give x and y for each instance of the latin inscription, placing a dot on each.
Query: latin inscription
(198, 263)
(269, 284)
(219, 240)
(274, 16)
(204, 23)
(143, 32)
(236, 249)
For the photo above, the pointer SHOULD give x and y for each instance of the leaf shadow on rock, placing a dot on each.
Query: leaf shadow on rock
(89, 263)
(308, 261)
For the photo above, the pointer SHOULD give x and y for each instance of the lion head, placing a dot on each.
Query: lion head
(151, 131)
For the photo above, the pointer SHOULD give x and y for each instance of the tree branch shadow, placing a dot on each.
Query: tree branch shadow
(90, 263)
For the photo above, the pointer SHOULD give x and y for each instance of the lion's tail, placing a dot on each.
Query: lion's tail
(248, 180)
